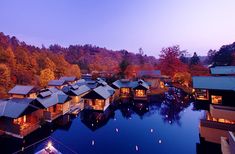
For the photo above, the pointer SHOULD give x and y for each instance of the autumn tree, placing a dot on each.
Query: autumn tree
(45, 76)
(123, 65)
(74, 70)
(5, 79)
(170, 62)
(183, 78)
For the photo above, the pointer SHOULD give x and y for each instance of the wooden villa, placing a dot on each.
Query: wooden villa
(76, 92)
(99, 98)
(19, 116)
(59, 84)
(140, 90)
(123, 88)
(21, 91)
(54, 102)
(218, 90)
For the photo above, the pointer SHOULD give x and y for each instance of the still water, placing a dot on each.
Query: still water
(163, 125)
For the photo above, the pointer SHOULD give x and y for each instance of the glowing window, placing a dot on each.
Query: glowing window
(139, 93)
(201, 94)
(216, 99)
(125, 90)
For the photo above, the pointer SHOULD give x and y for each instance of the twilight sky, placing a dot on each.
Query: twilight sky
(195, 25)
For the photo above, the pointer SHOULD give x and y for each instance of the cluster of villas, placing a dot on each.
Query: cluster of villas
(28, 108)
(218, 125)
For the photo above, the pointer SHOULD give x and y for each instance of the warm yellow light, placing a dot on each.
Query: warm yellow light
(49, 145)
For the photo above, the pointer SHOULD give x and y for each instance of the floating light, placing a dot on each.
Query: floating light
(49, 145)
(166, 116)
(117, 130)
(136, 148)
(169, 122)
(151, 130)
(159, 141)
(93, 142)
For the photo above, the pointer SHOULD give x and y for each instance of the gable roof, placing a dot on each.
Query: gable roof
(79, 90)
(101, 92)
(140, 84)
(16, 107)
(151, 73)
(57, 97)
(123, 83)
(222, 70)
(217, 83)
(68, 78)
(56, 82)
(21, 90)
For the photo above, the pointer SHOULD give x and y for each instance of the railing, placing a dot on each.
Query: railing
(217, 125)
(29, 129)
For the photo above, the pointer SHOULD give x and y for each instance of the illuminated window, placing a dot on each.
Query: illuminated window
(216, 99)
(201, 94)
(139, 93)
(125, 90)
(20, 120)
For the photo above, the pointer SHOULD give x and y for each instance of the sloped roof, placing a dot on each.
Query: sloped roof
(103, 92)
(140, 84)
(16, 107)
(223, 70)
(68, 78)
(80, 90)
(217, 83)
(57, 97)
(123, 84)
(152, 73)
(56, 82)
(21, 90)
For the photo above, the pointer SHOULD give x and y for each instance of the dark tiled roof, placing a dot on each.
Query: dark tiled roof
(16, 107)
(223, 70)
(22, 90)
(211, 82)
(57, 97)
(56, 83)
(68, 78)
(101, 92)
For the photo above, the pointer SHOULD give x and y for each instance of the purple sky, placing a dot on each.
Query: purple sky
(196, 25)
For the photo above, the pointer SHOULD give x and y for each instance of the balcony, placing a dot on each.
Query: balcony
(224, 112)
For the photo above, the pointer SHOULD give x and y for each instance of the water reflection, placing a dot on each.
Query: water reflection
(168, 108)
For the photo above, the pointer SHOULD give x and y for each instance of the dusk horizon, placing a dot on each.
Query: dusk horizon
(118, 25)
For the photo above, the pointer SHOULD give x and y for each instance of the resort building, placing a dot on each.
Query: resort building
(154, 77)
(76, 92)
(228, 144)
(19, 116)
(141, 90)
(21, 91)
(99, 98)
(123, 88)
(54, 102)
(69, 79)
(59, 84)
(216, 90)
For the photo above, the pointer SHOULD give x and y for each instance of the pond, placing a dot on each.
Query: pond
(166, 124)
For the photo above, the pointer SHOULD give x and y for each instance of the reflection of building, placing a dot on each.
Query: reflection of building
(95, 120)
(99, 98)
